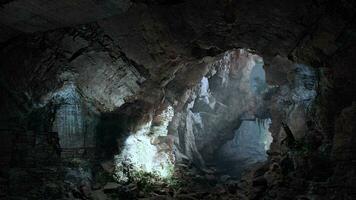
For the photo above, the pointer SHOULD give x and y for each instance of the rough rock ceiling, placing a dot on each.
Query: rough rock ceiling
(37, 15)
(164, 48)
(205, 27)
(153, 32)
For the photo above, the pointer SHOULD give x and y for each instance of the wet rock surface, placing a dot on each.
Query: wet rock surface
(95, 85)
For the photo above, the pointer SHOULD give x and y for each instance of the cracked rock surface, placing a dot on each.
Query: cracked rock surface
(77, 79)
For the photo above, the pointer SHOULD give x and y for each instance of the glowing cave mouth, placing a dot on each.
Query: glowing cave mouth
(147, 150)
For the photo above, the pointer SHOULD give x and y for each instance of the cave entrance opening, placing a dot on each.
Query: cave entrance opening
(229, 115)
(252, 138)
(237, 106)
(247, 148)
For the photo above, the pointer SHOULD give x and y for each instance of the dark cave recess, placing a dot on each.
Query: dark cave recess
(114, 70)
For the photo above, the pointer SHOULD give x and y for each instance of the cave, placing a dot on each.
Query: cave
(159, 99)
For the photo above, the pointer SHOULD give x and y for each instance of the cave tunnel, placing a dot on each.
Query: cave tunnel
(157, 99)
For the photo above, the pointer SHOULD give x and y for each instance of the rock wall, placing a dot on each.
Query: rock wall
(83, 74)
(291, 99)
(159, 53)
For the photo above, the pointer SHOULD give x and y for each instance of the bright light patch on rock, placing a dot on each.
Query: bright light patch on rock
(204, 90)
(266, 135)
(147, 150)
(305, 85)
(69, 121)
(258, 79)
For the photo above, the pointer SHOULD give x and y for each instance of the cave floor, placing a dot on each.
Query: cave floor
(187, 183)
(261, 181)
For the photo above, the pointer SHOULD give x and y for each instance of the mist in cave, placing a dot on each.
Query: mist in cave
(186, 100)
(248, 147)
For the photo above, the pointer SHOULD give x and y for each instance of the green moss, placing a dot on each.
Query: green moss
(148, 182)
(145, 181)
